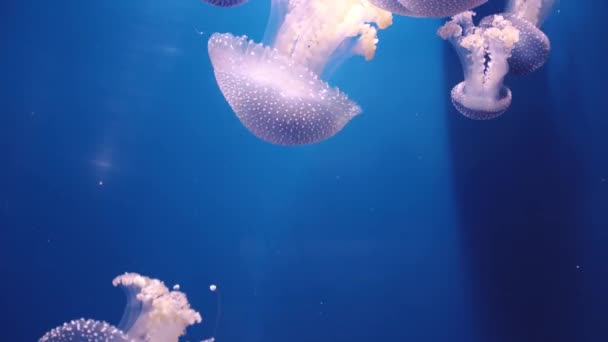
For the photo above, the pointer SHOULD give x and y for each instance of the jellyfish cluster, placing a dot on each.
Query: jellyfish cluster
(277, 87)
(153, 314)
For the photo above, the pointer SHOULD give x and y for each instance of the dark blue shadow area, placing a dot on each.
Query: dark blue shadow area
(525, 189)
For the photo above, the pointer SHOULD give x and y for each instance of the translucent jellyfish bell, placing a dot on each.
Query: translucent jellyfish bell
(427, 8)
(276, 91)
(225, 3)
(153, 314)
(483, 53)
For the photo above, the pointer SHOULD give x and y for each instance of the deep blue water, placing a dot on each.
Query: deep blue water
(119, 153)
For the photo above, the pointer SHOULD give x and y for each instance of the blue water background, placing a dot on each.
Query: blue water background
(119, 153)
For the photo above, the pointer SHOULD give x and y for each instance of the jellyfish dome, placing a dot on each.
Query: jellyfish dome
(483, 53)
(153, 314)
(225, 3)
(428, 8)
(276, 89)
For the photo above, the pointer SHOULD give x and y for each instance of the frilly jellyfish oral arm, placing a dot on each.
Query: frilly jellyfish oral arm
(500, 42)
(312, 30)
(534, 11)
(164, 314)
(468, 42)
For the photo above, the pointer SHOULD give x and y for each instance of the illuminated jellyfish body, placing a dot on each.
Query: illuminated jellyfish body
(225, 3)
(153, 314)
(276, 89)
(427, 8)
(483, 53)
(534, 47)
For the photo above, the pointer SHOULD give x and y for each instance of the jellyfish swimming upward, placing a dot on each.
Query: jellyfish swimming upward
(483, 53)
(276, 89)
(153, 314)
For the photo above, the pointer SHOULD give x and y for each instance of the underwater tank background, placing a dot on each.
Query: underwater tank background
(413, 224)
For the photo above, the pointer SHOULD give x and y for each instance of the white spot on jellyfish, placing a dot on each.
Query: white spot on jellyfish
(176, 287)
(212, 287)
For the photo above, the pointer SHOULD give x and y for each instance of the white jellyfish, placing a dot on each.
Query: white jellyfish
(276, 89)
(483, 53)
(153, 314)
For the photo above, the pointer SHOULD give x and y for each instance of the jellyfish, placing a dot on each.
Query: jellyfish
(534, 47)
(483, 53)
(427, 8)
(276, 88)
(225, 3)
(153, 314)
